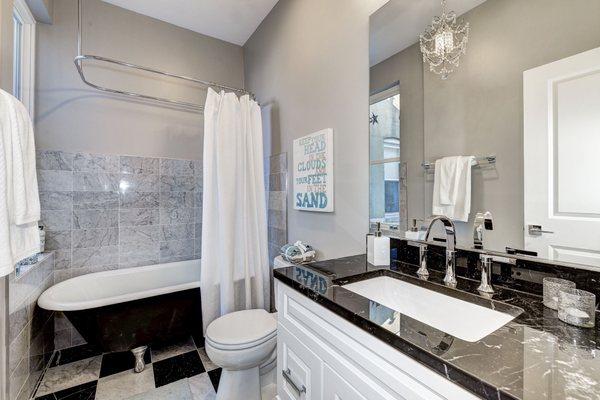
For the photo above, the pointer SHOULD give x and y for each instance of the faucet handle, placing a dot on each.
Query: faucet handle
(486, 274)
(422, 271)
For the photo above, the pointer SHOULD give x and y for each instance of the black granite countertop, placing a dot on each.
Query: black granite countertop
(535, 356)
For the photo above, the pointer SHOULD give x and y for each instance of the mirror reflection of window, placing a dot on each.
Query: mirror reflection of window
(387, 199)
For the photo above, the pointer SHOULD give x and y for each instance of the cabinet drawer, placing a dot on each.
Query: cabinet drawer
(299, 369)
(335, 387)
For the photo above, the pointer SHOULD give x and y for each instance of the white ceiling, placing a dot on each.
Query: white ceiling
(230, 20)
(398, 24)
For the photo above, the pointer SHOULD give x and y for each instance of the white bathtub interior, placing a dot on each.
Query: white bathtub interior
(111, 287)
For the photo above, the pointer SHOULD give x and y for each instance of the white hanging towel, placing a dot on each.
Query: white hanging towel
(19, 197)
(452, 187)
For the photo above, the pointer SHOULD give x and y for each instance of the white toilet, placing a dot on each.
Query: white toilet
(244, 344)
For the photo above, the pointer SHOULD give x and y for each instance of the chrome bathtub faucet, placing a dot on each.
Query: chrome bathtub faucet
(450, 230)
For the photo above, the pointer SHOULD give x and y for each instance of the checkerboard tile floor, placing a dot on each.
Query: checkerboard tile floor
(180, 371)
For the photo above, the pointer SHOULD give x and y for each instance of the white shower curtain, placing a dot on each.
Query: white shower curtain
(235, 264)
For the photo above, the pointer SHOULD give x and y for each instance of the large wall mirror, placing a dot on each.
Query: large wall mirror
(518, 90)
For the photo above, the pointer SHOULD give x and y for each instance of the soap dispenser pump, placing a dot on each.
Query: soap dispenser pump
(378, 248)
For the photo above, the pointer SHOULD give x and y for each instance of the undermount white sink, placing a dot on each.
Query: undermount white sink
(459, 318)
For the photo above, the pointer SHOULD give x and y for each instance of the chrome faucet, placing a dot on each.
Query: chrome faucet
(450, 229)
(483, 221)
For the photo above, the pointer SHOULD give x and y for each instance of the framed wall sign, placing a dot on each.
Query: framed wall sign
(313, 172)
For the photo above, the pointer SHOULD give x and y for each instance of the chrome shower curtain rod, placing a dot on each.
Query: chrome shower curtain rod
(186, 105)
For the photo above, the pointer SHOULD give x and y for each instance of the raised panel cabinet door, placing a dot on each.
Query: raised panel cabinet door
(561, 137)
(337, 388)
(299, 369)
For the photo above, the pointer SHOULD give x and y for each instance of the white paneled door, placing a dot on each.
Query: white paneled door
(562, 159)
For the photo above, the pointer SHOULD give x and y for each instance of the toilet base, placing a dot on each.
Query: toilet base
(239, 385)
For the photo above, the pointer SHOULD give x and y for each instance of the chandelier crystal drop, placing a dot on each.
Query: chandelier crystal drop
(443, 42)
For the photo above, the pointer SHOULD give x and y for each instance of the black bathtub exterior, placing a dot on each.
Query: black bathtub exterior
(143, 322)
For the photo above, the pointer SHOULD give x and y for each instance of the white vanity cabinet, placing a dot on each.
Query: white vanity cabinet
(321, 356)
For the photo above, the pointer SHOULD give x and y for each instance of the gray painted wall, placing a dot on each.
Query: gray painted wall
(479, 109)
(310, 58)
(73, 117)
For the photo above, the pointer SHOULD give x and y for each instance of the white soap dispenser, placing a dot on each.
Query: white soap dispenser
(378, 248)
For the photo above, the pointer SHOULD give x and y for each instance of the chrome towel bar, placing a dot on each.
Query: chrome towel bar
(479, 162)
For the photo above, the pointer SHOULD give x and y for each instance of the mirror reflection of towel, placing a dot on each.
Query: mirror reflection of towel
(452, 187)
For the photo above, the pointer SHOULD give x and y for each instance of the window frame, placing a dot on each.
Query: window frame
(24, 61)
(375, 97)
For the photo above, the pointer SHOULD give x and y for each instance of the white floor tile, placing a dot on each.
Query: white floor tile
(125, 384)
(179, 390)
(208, 364)
(69, 375)
(173, 350)
(202, 387)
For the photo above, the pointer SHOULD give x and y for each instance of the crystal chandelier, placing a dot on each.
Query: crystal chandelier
(444, 41)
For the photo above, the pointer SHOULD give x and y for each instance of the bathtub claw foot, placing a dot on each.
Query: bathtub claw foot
(138, 353)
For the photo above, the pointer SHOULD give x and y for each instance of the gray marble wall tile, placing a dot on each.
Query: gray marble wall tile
(95, 182)
(198, 230)
(176, 216)
(56, 181)
(176, 248)
(198, 246)
(139, 234)
(131, 199)
(62, 259)
(17, 321)
(138, 217)
(56, 200)
(18, 378)
(278, 163)
(56, 220)
(94, 219)
(17, 349)
(139, 165)
(278, 182)
(54, 160)
(199, 182)
(84, 238)
(198, 215)
(277, 200)
(28, 327)
(176, 167)
(140, 182)
(56, 240)
(177, 183)
(198, 199)
(95, 200)
(90, 270)
(176, 199)
(142, 253)
(95, 256)
(277, 219)
(86, 162)
(62, 275)
(277, 236)
(176, 232)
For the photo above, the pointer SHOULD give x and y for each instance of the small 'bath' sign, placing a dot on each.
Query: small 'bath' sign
(313, 172)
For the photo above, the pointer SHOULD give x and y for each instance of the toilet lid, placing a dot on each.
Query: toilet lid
(241, 328)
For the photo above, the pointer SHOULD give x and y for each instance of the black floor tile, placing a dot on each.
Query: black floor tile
(87, 391)
(176, 368)
(76, 353)
(113, 363)
(215, 377)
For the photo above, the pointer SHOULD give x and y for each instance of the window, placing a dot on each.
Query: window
(24, 54)
(387, 202)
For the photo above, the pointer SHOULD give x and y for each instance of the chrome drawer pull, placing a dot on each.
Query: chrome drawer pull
(287, 375)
